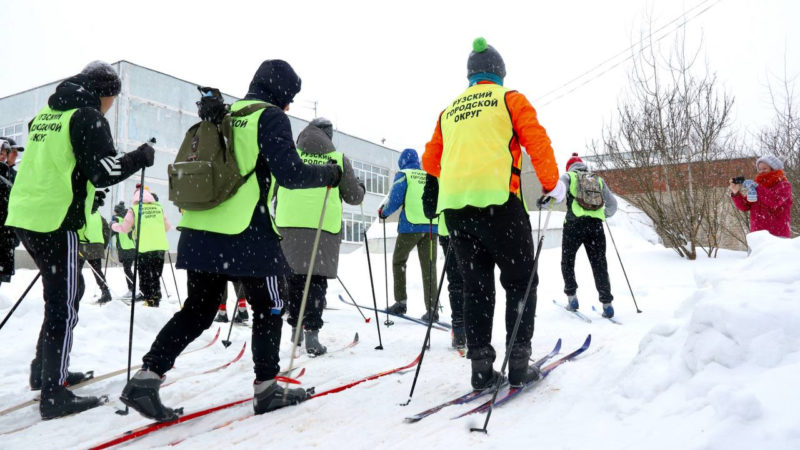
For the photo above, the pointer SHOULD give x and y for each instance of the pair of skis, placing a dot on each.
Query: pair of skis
(508, 393)
(583, 317)
(443, 326)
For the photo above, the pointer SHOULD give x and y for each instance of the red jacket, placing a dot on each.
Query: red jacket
(771, 211)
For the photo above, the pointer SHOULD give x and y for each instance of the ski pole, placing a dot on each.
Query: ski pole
(623, 268)
(227, 342)
(431, 286)
(108, 253)
(135, 274)
(520, 311)
(164, 283)
(299, 328)
(366, 319)
(172, 269)
(82, 256)
(22, 297)
(425, 343)
(374, 301)
(388, 322)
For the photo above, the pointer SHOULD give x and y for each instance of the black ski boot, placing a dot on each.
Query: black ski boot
(399, 307)
(241, 316)
(483, 374)
(141, 394)
(313, 347)
(426, 317)
(269, 396)
(105, 297)
(152, 302)
(222, 316)
(73, 378)
(520, 371)
(459, 338)
(62, 402)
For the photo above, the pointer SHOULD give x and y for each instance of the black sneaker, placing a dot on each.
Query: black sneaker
(269, 396)
(398, 308)
(141, 394)
(62, 402)
(73, 378)
(104, 298)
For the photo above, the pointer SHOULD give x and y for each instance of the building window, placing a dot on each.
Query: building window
(375, 178)
(14, 132)
(355, 225)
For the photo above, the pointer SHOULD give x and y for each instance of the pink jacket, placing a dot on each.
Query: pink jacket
(771, 211)
(126, 225)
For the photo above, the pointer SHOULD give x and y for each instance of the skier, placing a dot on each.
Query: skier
(584, 226)
(9, 150)
(413, 230)
(297, 216)
(768, 198)
(476, 154)
(153, 242)
(126, 248)
(240, 315)
(236, 240)
(70, 151)
(92, 241)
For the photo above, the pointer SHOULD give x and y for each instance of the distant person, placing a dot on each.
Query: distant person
(768, 198)
(92, 242)
(476, 154)
(413, 232)
(9, 150)
(126, 248)
(240, 314)
(583, 226)
(70, 152)
(152, 245)
(297, 215)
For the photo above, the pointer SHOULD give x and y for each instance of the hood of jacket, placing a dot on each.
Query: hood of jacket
(275, 82)
(408, 159)
(314, 140)
(72, 93)
(578, 167)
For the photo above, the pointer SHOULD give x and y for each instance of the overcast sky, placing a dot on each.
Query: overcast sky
(385, 71)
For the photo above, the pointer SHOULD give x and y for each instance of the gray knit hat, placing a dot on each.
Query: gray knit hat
(485, 59)
(324, 125)
(770, 160)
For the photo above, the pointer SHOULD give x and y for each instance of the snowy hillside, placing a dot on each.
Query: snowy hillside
(712, 362)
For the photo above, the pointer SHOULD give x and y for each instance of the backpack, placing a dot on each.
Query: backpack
(589, 192)
(205, 172)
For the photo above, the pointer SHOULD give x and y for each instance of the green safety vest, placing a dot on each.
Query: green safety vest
(443, 231)
(412, 204)
(300, 208)
(125, 241)
(578, 209)
(153, 233)
(234, 214)
(42, 189)
(92, 231)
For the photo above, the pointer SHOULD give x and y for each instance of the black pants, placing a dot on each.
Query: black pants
(151, 265)
(198, 314)
(455, 285)
(482, 239)
(8, 242)
(586, 231)
(312, 317)
(56, 257)
(127, 266)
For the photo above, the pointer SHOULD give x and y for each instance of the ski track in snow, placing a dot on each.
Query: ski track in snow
(712, 362)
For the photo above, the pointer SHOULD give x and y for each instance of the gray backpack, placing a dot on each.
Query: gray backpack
(589, 193)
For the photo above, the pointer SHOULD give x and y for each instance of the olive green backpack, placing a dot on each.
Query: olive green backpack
(205, 172)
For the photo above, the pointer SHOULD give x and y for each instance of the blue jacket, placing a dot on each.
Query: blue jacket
(397, 195)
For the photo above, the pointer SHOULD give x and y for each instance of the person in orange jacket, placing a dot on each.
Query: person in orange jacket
(475, 153)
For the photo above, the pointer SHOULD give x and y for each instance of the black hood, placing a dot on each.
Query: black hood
(314, 140)
(275, 82)
(72, 93)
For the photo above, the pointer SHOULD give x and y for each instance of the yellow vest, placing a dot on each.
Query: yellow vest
(476, 158)
(300, 208)
(412, 204)
(92, 231)
(577, 209)
(153, 233)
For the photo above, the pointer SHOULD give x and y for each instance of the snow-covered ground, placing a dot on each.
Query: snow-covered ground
(712, 362)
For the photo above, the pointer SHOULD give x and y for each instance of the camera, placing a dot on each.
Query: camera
(738, 180)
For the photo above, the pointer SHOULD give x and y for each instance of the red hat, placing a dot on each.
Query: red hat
(573, 160)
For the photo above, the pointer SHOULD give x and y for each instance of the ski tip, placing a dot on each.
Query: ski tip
(302, 372)
(355, 339)
(588, 340)
(557, 348)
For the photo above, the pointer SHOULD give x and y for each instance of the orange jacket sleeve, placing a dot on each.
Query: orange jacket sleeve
(534, 138)
(432, 158)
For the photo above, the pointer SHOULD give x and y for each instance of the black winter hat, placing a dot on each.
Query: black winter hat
(324, 125)
(102, 79)
(485, 59)
(120, 209)
(276, 82)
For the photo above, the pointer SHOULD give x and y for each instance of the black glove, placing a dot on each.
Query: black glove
(143, 156)
(543, 200)
(336, 173)
(430, 196)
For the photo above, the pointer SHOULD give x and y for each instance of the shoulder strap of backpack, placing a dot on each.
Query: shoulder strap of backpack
(251, 108)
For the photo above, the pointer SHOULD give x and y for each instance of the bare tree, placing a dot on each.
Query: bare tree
(671, 128)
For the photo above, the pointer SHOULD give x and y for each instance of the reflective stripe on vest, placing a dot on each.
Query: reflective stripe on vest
(476, 157)
(42, 189)
(301, 208)
(92, 231)
(234, 214)
(412, 204)
(153, 232)
(125, 241)
(578, 209)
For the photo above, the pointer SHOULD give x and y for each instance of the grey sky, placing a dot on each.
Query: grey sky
(385, 70)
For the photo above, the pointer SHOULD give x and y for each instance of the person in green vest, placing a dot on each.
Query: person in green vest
(70, 152)
(584, 227)
(152, 244)
(238, 241)
(9, 150)
(297, 216)
(126, 248)
(413, 231)
(92, 241)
